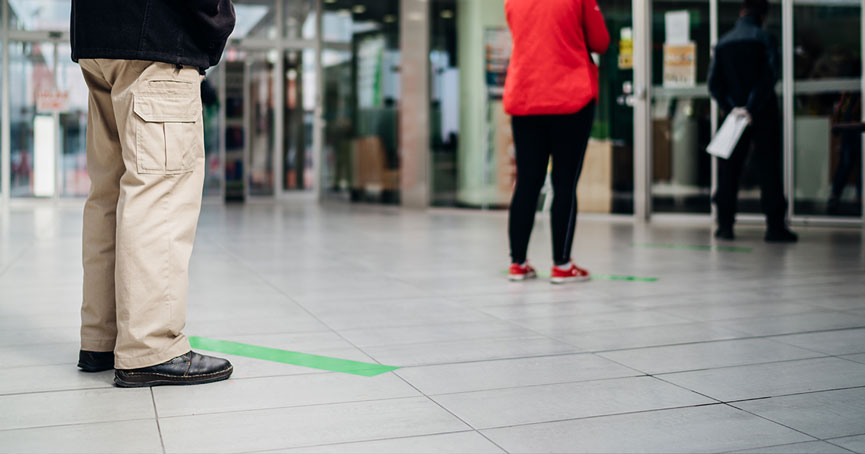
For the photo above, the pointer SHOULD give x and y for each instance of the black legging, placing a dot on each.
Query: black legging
(536, 138)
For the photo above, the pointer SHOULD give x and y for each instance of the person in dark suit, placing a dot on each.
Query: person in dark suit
(743, 75)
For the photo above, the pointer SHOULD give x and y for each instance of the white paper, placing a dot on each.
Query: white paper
(678, 27)
(728, 136)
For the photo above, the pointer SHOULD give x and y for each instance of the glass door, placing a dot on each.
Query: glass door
(827, 160)
(361, 79)
(48, 118)
(680, 107)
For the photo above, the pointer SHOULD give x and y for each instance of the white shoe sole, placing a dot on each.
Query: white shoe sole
(521, 277)
(568, 280)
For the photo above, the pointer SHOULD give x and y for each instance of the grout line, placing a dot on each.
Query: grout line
(747, 450)
(802, 393)
(537, 385)
(74, 424)
(832, 441)
(290, 407)
(773, 421)
(681, 407)
(342, 443)
(47, 391)
(450, 412)
(158, 426)
(17, 258)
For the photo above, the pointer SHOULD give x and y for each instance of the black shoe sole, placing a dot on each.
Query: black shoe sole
(145, 380)
(91, 368)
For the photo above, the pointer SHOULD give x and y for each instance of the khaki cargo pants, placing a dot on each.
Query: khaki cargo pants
(145, 157)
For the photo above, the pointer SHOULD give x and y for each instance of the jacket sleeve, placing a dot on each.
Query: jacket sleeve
(594, 27)
(209, 7)
(763, 91)
(717, 84)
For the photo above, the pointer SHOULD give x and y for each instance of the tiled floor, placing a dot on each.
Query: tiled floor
(729, 351)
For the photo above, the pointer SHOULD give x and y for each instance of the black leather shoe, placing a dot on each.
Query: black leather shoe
(725, 233)
(781, 235)
(189, 369)
(95, 361)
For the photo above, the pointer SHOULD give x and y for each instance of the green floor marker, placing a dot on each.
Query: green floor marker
(613, 277)
(698, 247)
(604, 277)
(288, 357)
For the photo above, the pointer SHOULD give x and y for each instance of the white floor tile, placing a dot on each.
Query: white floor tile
(708, 429)
(306, 426)
(775, 379)
(535, 404)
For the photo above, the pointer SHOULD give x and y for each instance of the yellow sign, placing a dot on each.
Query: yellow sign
(626, 49)
(680, 65)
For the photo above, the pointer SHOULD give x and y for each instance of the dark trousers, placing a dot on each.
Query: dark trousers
(537, 137)
(764, 136)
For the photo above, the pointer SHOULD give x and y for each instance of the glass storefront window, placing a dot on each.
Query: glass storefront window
(73, 125)
(300, 99)
(33, 164)
(607, 181)
(47, 137)
(210, 114)
(828, 71)
(444, 102)
(680, 110)
(362, 88)
(255, 19)
(300, 19)
(50, 15)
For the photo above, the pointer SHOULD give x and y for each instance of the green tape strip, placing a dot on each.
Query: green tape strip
(605, 277)
(697, 247)
(288, 357)
(613, 277)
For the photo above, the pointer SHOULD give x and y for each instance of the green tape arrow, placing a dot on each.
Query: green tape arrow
(288, 357)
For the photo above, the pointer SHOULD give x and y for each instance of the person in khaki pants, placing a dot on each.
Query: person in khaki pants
(145, 158)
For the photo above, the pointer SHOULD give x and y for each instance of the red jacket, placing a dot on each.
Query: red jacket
(551, 71)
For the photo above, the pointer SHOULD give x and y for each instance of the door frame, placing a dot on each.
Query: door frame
(643, 209)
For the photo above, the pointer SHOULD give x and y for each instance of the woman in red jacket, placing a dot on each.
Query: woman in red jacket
(551, 90)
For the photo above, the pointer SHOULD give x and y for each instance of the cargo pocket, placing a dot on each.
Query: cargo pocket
(167, 138)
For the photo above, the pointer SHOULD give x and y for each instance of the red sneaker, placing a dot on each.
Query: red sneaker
(574, 274)
(520, 273)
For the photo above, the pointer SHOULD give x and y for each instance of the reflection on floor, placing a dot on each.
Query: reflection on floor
(758, 348)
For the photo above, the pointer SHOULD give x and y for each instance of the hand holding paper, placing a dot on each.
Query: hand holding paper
(728, 136)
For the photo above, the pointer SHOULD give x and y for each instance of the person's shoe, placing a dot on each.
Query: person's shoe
(521, 272)
(725, 233)
(189, 369)
(781, 235)
(572, 274)
(95, 361)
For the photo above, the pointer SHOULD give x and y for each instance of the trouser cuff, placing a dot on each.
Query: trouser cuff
(178, 347)
(98, 345)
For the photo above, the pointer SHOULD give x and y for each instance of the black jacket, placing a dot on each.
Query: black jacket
(745, 68)
(183, 32)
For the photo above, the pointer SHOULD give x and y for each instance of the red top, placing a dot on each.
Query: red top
(551, 71)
